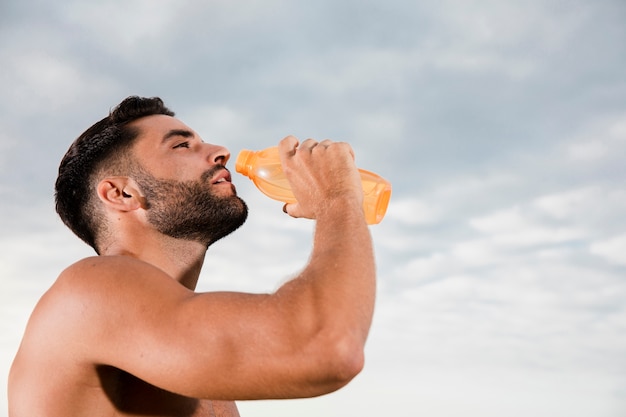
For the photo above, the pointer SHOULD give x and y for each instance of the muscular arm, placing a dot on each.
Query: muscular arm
(338, 285)
(305, 339)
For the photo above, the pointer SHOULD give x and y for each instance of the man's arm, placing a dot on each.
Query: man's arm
(305, 339)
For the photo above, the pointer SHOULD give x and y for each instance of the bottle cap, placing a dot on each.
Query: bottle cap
(383, 202)
(241, 165)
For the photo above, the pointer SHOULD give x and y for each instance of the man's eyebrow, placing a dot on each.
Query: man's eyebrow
(177, 132)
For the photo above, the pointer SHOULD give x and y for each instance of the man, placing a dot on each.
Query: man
(124, 333)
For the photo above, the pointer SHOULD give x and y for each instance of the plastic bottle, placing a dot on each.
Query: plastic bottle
(264, 169)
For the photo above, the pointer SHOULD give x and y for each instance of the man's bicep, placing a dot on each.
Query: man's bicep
(207, 345)
(219, 345)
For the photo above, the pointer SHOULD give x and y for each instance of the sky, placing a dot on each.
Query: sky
(500, 124)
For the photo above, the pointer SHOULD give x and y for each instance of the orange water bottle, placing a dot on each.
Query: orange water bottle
(264, 169)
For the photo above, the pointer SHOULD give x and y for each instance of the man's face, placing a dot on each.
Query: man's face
(185, 183)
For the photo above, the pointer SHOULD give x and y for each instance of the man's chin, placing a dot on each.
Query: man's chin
(236, 217)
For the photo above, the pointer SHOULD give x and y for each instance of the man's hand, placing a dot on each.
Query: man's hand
(320, 174)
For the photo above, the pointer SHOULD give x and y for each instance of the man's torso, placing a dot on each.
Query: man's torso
(54, 374)
(108, 392)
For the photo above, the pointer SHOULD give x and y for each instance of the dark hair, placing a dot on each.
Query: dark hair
(102, 144)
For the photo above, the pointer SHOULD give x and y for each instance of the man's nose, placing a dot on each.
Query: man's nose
(218, 154)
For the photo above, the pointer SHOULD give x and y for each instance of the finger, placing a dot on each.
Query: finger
(289, 144)
(342, 145)
(291, 209)
(350, 150)
(308, 144)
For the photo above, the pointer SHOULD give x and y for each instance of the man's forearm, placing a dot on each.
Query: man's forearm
(345, 269)
(336, 290)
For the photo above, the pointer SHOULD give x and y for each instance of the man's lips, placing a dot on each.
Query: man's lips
(223, 176)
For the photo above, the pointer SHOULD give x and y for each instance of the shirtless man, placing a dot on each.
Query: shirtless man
(124, 333)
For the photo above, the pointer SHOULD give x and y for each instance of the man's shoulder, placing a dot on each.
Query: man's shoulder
(104, 271)
(87, 293)
(67, 308)
(100, 266)
(93, 283)
(75, 318)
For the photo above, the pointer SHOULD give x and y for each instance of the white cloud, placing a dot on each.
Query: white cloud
(436, 390)
(382, 129)
(124, 32)
(592, 211)
(509, 220)
(477, 252)
(605, 139)
(568, 204)
(540, 235)
(478, 38)
(412, 211)
(44, 81)
(466, 186)
(7, 143)
(423, 268)
(613, 249)
(221, 124)
(617, 130)
(516, 227)
(588, 151)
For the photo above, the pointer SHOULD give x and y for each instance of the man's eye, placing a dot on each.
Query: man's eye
(182, 145)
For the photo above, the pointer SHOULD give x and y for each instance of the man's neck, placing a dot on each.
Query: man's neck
(180, 259)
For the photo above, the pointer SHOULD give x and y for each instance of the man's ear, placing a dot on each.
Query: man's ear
(120, 193)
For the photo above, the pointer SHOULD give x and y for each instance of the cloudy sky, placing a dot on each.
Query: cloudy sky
(501, 125)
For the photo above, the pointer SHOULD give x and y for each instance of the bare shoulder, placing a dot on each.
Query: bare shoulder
(93, 295)
(97, 270)
(92, 300)
(93, 314)
(111, 280)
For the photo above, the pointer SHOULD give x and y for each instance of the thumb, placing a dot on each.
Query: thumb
(291, 209)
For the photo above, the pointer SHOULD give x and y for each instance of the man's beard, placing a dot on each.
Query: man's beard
(188, 210)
